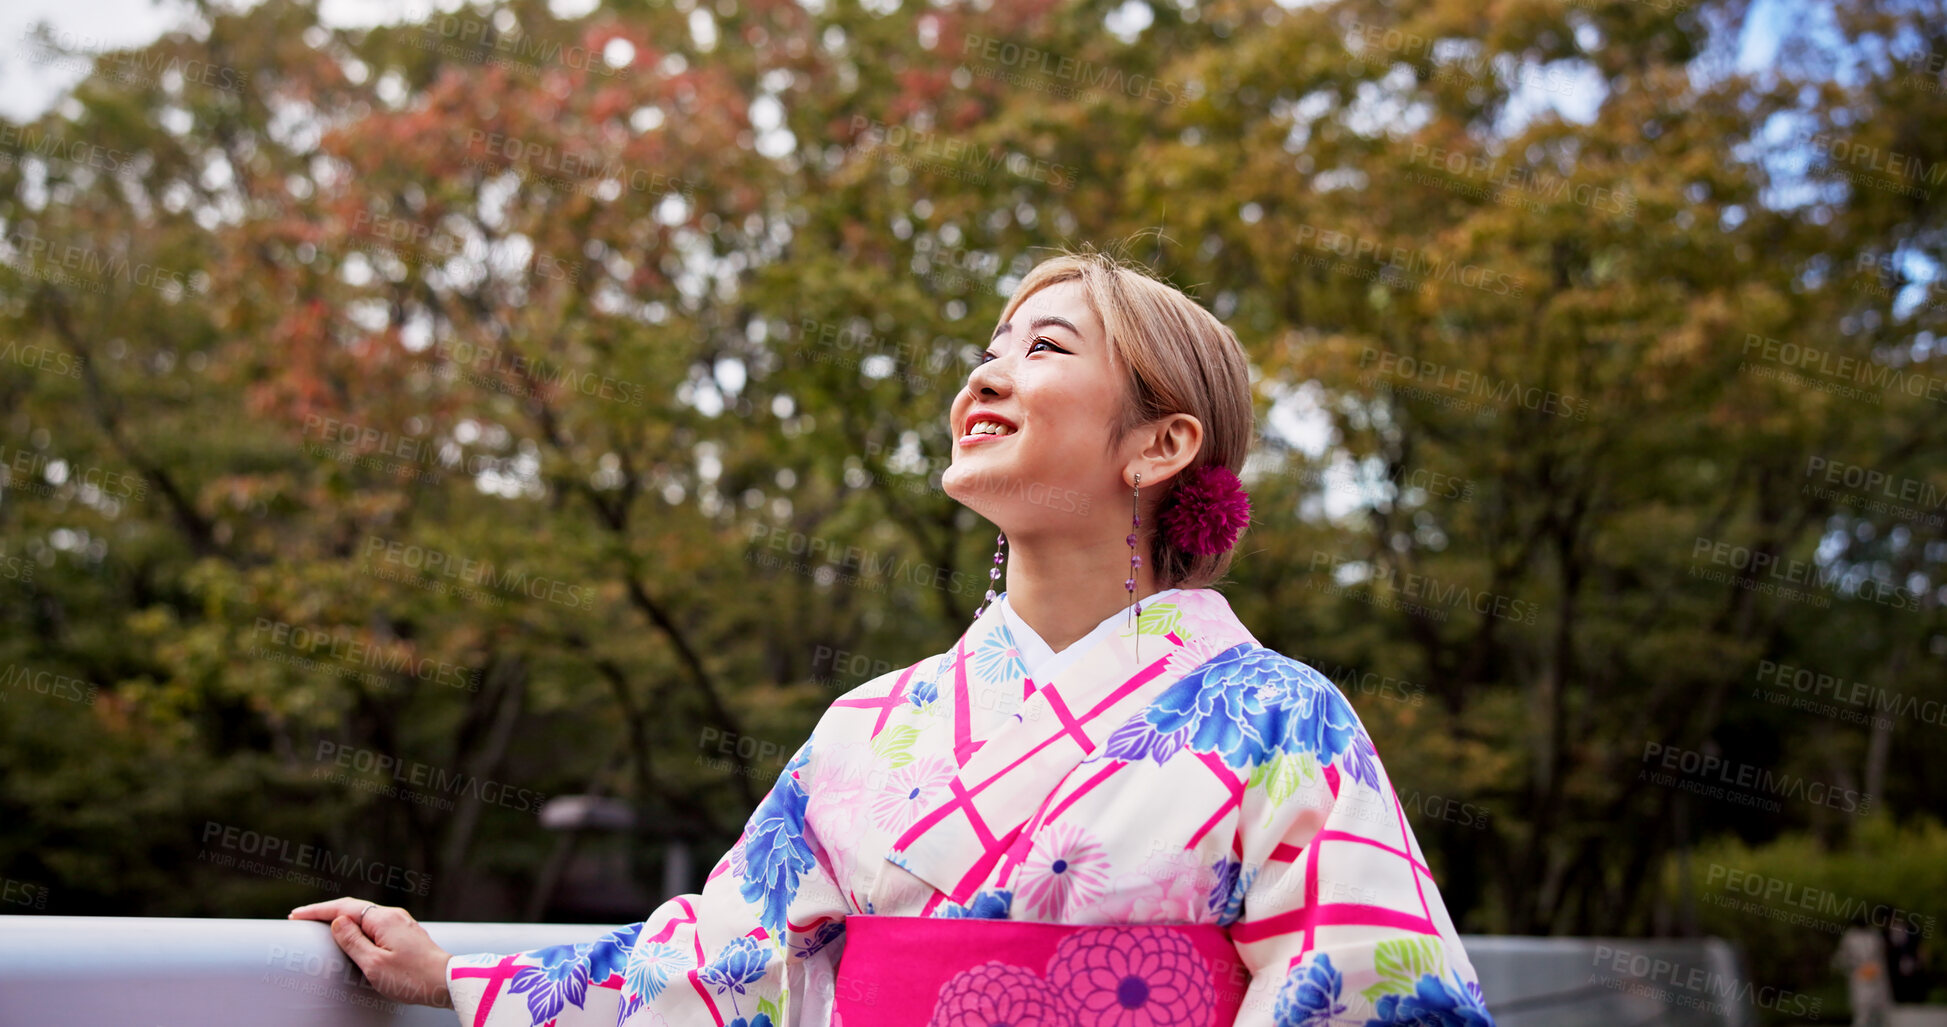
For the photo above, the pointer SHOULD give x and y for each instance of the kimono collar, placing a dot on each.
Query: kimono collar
(978, 817)
(1040, 658)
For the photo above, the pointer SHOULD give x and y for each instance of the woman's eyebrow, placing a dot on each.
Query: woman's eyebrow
(1039, 323)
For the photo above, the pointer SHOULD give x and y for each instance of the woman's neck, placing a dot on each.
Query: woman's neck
(1064, 590)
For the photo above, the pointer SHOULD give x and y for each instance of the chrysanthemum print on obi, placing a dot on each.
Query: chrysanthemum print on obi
(941, 972)
(1200, 785)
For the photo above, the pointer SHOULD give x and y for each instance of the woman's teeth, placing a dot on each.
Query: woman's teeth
(990, 428)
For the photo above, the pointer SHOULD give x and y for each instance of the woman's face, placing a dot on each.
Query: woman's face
(1046, 374)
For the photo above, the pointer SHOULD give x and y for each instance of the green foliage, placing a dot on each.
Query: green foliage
(1788, 900)
(493, 412)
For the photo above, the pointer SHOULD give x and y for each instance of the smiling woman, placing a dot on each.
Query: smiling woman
(1195, 831)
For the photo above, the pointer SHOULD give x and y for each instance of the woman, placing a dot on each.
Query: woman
(1105, 804)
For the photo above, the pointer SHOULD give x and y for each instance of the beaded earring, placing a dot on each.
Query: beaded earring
(1135, 525)
(993, 575)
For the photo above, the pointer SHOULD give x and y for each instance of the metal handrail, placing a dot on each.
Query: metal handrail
(165, 971)
(168, 971)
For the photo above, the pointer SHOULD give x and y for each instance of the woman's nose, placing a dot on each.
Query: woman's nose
(989, 377)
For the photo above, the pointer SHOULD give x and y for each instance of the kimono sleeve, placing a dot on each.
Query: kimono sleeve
(1337, 916)
(746, 951)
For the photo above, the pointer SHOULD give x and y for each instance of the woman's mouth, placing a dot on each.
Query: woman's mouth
(985, 432)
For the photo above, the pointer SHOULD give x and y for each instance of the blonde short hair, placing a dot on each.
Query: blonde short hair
(1175, 357)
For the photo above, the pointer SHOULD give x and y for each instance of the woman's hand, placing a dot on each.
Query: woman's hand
(400, 959)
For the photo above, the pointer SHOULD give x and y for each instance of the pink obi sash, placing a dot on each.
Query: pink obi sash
(908, 971)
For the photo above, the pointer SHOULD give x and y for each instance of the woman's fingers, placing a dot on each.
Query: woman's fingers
(344, 931)
(397, 956)
(329, 910)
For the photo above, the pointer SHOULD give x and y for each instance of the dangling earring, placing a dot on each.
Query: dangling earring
(993, 574)
(1135, 525)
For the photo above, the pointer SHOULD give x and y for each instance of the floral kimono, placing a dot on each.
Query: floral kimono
(1171, 773)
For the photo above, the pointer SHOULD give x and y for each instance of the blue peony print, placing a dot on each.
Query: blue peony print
(775, 852)
(925, 686)
(991, 904)
(806, 945)
(999, 657)
(1435, 1002)
(923, 691)
(610, 953)
(737, 966)
(1310, 998)
(651, 966)
(1249, 705)
(561, 978)
(1226, 898)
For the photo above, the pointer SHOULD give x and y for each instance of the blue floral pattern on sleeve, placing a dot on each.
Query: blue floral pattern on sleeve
(1435, 1002)
(1250, 705)
(562, 978)
(1310, 998)
(1226, 898)
(989, 904)
(776, 856)
(736, 967)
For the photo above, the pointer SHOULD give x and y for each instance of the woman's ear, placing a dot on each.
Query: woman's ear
(1173, 442)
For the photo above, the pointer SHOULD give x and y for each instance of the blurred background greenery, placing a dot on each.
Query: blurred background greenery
(406, 425)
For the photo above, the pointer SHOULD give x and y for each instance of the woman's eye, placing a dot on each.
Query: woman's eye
(986, 355)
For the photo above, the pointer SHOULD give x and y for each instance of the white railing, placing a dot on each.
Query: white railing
(126, 971)
(165, 972)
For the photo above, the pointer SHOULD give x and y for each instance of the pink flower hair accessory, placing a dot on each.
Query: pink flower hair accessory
(1207, 512)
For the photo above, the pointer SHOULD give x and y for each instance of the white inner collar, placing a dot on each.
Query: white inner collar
(1042, 661)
